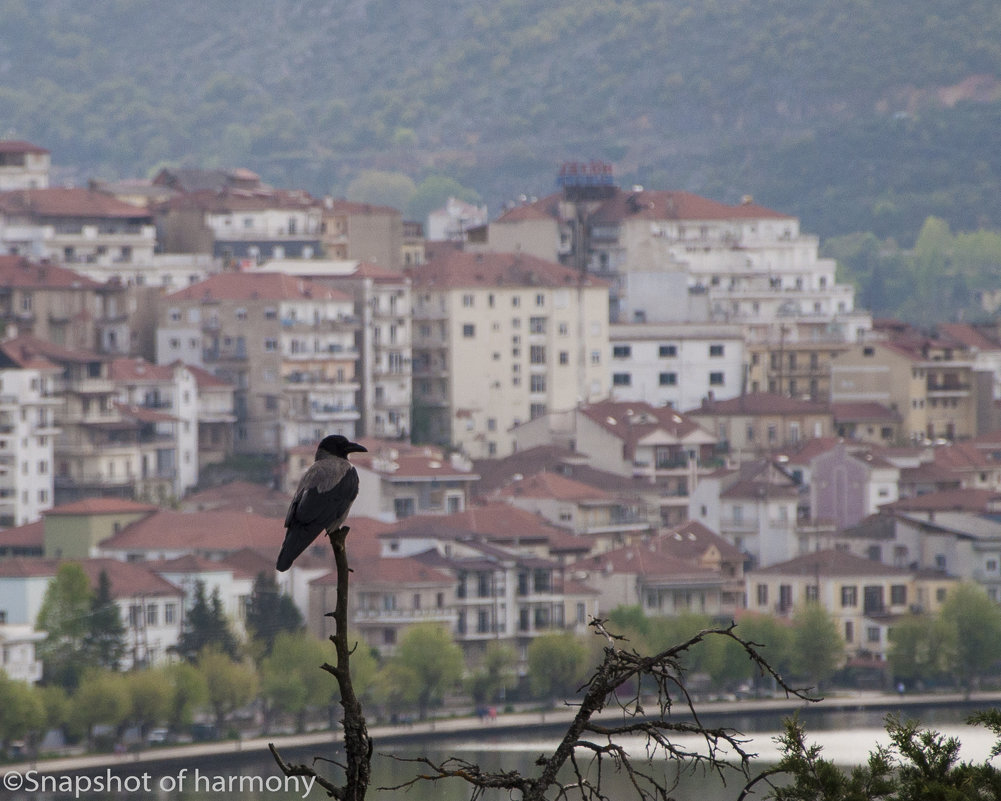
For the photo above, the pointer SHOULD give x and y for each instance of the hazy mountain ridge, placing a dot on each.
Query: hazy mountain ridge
(725, 97)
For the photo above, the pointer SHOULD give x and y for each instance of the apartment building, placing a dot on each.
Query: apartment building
(286, 344)
(363, 232)
(863, 596)
(103, 448)
(242, 226)
(23, 165)
(27, 435)
(742, 264)
(171, 392)
(76, 227)
(382, 304)
(931, 385)
(749, 425)
(499, 339)
(59, 305)
(654, 445)
(676, 365)
(799, 369)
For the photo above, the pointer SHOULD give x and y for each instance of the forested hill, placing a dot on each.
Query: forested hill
(853, 114)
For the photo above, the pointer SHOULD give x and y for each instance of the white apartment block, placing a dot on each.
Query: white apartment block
(171, 390)
(76, 227)
(742, 264)
(676, 365)
(499, 339)
(383, 305)
(27, 437)
(286, 344)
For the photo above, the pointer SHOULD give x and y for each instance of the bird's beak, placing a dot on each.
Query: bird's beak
(354, 447)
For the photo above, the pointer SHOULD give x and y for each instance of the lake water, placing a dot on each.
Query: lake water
(846, 737)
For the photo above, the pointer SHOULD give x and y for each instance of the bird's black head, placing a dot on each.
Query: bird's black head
(338, 446)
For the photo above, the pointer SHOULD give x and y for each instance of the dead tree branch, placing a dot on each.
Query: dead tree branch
(357, 743)
(621, 668)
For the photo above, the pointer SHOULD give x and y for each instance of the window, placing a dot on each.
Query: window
(812, 592)
(898, 594)
(151, 615)
(467, 301)
(872, 634)
(564, 329)
(540, 300)
(668, 379)
(270, 345)
(564, 357)
(762, 595)
(849, 596)
(621, 351)
(515, 302)
(668, 351)
(595, 357)
(537, 325)
(538, 383)
(537, 354)
(716, 379)
(622, 379)
(468, 330)
(849, 631)
(715, 350)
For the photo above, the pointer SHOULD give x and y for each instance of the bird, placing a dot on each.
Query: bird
(323, 498)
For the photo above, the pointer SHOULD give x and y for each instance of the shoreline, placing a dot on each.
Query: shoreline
(473, 727)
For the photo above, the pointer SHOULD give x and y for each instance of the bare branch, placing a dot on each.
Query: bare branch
(357, 743)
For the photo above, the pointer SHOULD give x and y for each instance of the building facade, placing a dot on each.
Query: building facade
(500, 339)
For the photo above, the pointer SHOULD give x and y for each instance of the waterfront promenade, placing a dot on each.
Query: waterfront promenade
(471, 727)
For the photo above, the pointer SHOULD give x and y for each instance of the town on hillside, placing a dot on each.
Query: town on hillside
(602, 398)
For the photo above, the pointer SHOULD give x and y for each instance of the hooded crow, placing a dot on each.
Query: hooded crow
(322, 499)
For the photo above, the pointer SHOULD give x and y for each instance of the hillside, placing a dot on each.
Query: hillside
(855, 115)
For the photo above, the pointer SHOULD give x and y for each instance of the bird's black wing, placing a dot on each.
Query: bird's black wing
(321, 502)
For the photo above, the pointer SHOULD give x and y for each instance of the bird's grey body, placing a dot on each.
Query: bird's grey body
(323, 498)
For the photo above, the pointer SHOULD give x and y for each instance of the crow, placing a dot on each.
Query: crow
(322, 499)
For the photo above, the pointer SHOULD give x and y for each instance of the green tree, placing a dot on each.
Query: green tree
(270, 612)
(975, 621)
(495, 675)
(65, 618)
(380, 188)
(150, 695)
(22, 713)
(104, 641)
(230, 684)
(189, 691)
(920, 646)
(101, 698)
(557, 664)
(819, 648)
(292, 678)
(205, 624)
(434, 661)
(433, 192)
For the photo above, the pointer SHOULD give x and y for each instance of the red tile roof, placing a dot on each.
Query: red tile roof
(652, 559)
(32, 348)
(205, 380)
(69, 202)
(19, 272)
(760, 403)
(391, 572)
(691, 540)
(633, 421)
(831, 563)
(863, 412)
(557, 487)
(236, 496)
(459, 270)
(968, 336)
(138, 369)
(127, 579)
(340, 206)
(198, 532)
(30, 535)
(258, 286)
(953, 500)
(674, 205)
(101, 506)
(20, 146)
